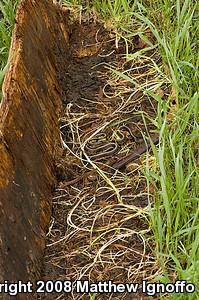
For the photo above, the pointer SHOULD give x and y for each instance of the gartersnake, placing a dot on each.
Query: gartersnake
(100, 146)
(119, 163)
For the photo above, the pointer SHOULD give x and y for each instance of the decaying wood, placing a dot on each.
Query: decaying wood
(28, 138)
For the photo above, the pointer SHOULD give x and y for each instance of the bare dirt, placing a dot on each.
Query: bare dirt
(98, 229)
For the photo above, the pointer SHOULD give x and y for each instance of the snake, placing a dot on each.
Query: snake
(100, 148)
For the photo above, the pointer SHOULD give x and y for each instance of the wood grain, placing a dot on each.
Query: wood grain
(29, 136)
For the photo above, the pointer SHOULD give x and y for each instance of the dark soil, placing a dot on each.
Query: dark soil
(95, 233)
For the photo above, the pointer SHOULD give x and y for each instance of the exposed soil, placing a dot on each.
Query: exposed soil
(98, 228)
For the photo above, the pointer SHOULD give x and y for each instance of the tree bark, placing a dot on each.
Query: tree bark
(29, 137)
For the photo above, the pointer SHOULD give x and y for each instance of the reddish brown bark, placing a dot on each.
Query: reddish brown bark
(28, 138)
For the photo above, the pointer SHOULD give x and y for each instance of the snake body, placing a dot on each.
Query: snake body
(99, 146)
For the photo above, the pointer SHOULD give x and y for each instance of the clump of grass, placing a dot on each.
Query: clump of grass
(100, 208)
(117, 15)
(7, 19)
(174, 212)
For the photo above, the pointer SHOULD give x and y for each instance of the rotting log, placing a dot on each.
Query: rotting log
(29, 137)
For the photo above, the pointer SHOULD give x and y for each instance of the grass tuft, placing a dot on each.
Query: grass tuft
(174, 211)
(7, 19)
